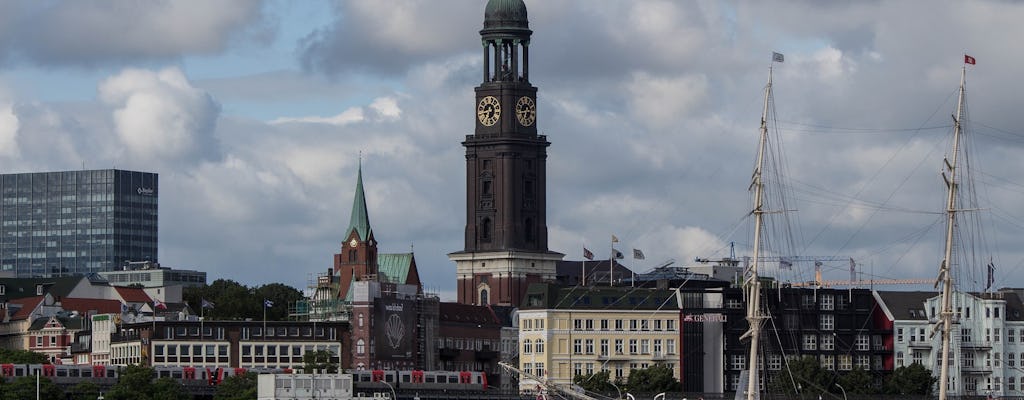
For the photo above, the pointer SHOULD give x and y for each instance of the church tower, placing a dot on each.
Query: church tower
(506, 237)
(358, 257)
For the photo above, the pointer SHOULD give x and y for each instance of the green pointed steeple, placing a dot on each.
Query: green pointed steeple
(360, 221)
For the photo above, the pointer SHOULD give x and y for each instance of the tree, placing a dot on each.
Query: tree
(238, 387)
(84, 390)
(910, 380)
(168, 389)
(234, 301)
(8, 356)
(25, 388)
(807, 375)
(599, 382)
(858, 381)
(136, 382)
(656, 379)
(319, 360)
(281, 295)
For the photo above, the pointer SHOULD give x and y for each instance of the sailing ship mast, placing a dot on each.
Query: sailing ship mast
(753, 282)
(945, 277)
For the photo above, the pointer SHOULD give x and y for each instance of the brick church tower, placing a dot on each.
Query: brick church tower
(506, 237)
(358, 257)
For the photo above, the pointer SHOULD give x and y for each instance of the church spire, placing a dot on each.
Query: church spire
(360, 221)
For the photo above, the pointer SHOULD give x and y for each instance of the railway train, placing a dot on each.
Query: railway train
(363, 380)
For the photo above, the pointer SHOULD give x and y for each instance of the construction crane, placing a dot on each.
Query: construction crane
(820, 283)
(548, 386)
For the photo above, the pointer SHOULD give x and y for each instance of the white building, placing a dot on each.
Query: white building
(987, 342)
(303, 386)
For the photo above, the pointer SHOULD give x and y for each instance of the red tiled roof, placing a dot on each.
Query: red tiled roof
(133, 295)
(83, 306)
(27, 305)
(466, 313)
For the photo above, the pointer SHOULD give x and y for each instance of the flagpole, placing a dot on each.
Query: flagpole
(265, 320)
(202, 314)
(611, 263)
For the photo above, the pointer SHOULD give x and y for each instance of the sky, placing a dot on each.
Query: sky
(256, 115)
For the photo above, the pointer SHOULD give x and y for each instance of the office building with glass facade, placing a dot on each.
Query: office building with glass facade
(76, 222)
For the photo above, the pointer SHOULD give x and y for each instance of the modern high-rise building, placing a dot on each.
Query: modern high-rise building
(76, 222)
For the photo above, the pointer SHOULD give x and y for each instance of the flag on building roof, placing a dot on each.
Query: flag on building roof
(267, 303)
(637, 254)
(124, 308)
(991, 275)
(618, 254)
(207, 303)
(588, 254)
(615, 239)
(778, 57)
(969, 60)
(159, 304)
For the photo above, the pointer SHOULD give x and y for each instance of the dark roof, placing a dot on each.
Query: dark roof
(549, 296)
(505, 14)
(69, 322)
(906, 305)
(360, 220)
(1014, 306)
(467, 313)
(504, 314)
(17, 288)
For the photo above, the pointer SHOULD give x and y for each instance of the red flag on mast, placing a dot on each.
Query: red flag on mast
(968, 59)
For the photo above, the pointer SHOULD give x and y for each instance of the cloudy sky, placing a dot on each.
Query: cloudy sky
(255, 113)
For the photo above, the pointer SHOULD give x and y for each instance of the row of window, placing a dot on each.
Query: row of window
(829, 362)
(861, 342)
(582, 368)
(966, 335)
(580, 324)
(636, 346)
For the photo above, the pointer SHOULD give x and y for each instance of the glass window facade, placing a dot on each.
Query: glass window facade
(76, 222)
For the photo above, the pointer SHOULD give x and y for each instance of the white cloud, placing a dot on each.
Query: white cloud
(661, 101)
(351, 115)
(9, 125)
(159, 116)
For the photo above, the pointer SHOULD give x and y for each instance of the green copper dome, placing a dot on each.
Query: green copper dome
(505, 14)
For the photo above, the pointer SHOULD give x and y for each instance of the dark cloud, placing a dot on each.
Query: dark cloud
(89, 33)
(652, 109)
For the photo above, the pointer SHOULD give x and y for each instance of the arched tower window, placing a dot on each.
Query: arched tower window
(484, 300)
(485, 229)
(361, 347)
(353, 255)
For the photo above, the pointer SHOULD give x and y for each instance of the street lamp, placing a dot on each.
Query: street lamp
(394, 396)
(616, 389)
(841, 388)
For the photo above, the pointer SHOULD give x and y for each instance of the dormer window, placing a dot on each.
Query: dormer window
(39, 290)
(3, 290)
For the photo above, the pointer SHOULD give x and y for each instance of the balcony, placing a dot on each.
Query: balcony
(661, 356)
(448, 353)
(976, 370)
(484, 355)
(920, 345)
(976, 345)
(615, 356)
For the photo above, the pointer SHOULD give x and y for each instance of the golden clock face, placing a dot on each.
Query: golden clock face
(488, 110)
(353, 243)
(526, 111)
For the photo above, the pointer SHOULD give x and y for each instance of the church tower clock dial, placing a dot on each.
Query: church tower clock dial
(506, 235)
(526, 111)
(488, 111)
